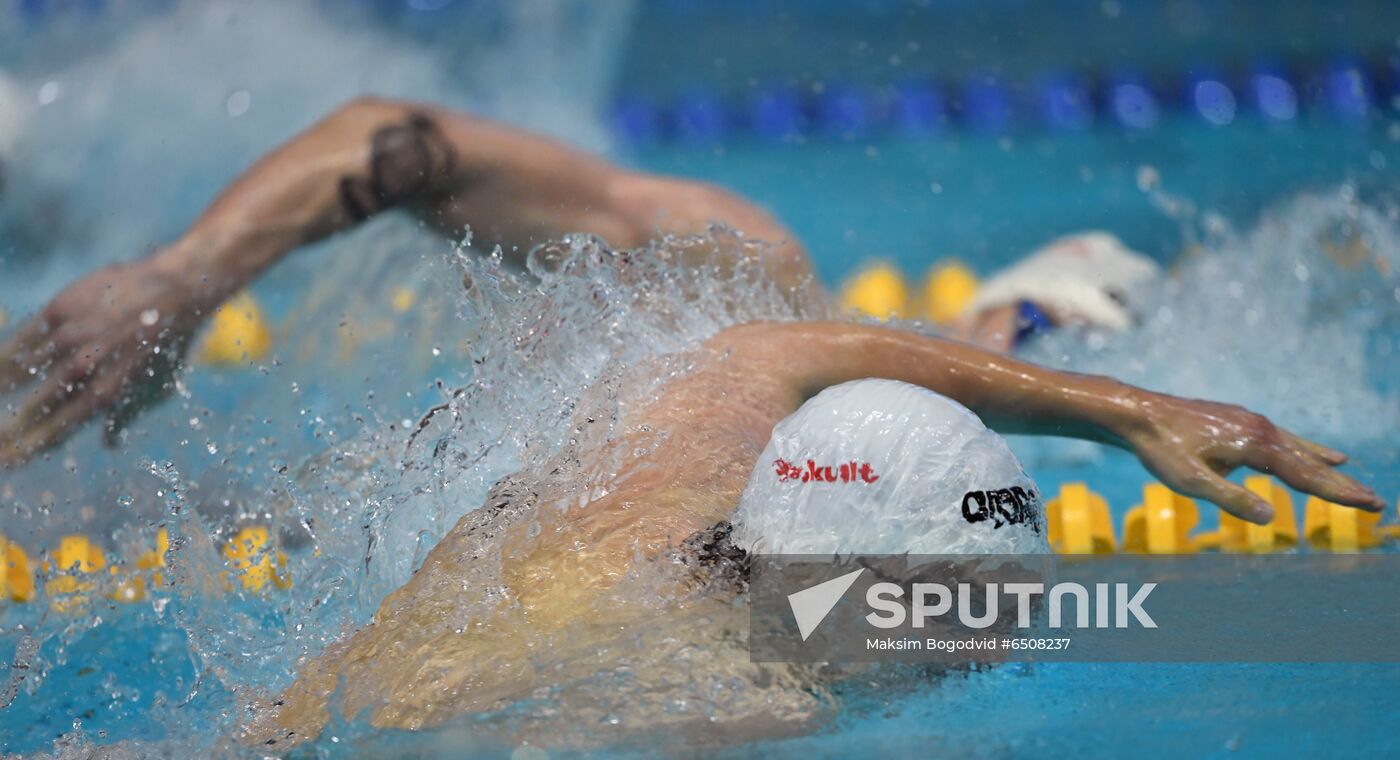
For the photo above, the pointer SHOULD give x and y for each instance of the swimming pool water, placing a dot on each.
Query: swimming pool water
(850, 202)
(126, 673)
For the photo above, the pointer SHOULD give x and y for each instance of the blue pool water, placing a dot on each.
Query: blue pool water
(1241, 210)
(109, 677)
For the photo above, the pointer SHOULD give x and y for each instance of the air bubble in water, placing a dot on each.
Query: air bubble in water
(238, 103)
(1148, 179)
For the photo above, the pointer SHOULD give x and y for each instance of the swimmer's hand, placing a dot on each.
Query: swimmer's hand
(1192, 445)
(109, 343)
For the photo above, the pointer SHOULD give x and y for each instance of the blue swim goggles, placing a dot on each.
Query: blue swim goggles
(1030, 320)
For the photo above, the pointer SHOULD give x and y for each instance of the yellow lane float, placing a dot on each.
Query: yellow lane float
(148, 566)
(1236, 535)
(255, 564)
(948, 290)
(16, 572)
(878, 291)
(238, 333)
(402, 299)
(75, 558)
(1340, 529)
(1079, 522)
(1161, 524)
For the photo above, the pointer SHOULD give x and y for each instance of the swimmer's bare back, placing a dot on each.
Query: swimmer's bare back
(110, 343)
(541, 570)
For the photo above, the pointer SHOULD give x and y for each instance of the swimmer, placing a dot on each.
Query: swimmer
(1087, 279)
(535, 595)
(92, 350)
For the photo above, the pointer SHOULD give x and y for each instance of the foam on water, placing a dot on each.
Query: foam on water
(589, 333)
(1294, 318)
(128, 144)
(584, 335)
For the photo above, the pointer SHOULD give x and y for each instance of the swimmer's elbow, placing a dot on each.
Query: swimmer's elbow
(369, 109)
(685, 207)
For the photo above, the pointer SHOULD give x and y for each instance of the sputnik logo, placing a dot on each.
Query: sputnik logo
(811, 605)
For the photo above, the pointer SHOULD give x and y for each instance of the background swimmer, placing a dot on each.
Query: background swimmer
(95, 344)
(1090, 278)
(111, 342)
(539, 571)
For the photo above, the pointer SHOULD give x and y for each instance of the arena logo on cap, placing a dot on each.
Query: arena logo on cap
(1005, 506)
(847, 472)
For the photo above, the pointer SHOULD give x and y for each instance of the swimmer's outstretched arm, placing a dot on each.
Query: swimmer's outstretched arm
(1191, 445)
(453, 170)
(111, 341)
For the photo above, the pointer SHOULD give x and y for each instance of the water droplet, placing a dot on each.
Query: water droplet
(49, 92)
(1148, 178)
(238, 103)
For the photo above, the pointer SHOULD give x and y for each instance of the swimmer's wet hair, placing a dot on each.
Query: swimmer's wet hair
(721, 562)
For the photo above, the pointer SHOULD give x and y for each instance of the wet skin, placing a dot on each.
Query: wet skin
(110, 343)
(555, 570)
(540, 572)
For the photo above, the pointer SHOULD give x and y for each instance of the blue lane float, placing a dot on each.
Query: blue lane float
(636, 121)
(919, 109)
(845, 112)
(775, 113)
(1271, 94)
(986, 105)
(1345, 89)
(700, 117)
(1065, 102)
(1210, 97)
(1132, 103)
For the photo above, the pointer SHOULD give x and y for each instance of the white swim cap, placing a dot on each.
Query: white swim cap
(1091, 275)
(16, 108)
(883, 467)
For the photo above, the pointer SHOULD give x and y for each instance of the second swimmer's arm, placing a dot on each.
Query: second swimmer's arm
(110, 342)
(512, 188)
(1189, 444)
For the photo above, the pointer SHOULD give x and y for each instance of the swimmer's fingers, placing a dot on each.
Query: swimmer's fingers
(73, 392)
(1307, 467)
(1310, 475)
(1206, 483)
(1327, 456)
(134, 398)
(21, 355)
